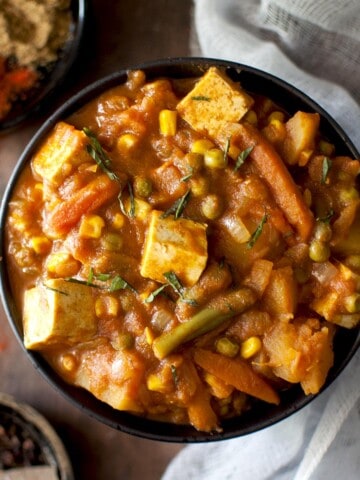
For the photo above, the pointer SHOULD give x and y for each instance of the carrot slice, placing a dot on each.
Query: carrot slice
(272, 168)
(237, 373)
(67, 213)
(201, 414)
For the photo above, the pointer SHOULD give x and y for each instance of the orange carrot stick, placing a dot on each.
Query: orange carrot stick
(237, 373)
(272, 168)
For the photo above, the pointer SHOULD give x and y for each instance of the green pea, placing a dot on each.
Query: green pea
(319, 251)
(142, 187)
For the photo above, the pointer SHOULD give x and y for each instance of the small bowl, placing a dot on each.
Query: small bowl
(261, 415)
(51, 80)
(28, 423)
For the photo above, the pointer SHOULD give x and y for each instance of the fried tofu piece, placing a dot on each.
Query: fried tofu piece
(58, 312)
(177, 245)
(64, 149)
(214, 101)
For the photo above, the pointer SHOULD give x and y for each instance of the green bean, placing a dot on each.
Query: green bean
(204, 321)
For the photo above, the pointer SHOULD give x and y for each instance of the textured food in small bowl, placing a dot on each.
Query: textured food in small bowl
(40, 43)
(29, 443)
(179, 240)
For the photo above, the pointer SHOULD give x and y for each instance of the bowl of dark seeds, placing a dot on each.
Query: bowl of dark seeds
(29, 446)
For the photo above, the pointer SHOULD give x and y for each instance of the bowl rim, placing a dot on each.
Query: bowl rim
(293, 400)
(62, 67)
(47, 437)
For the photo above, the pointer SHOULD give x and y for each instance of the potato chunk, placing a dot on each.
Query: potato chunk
(62, 150)
(214, 101)
(58, 312)
(301, 131)
(301, 352)
(178, 245)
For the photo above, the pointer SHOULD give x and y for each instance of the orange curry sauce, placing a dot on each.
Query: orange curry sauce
(189, 251)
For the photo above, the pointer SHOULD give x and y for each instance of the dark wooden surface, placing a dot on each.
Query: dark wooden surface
(121, 33)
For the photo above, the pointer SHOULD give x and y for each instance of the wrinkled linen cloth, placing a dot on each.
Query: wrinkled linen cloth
(314, 45)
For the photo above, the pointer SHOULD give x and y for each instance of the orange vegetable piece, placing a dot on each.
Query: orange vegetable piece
(201, 414)
(236, 372)
(272, 168)
(89, 198)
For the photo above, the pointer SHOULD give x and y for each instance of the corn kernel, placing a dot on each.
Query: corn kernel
(118, 220)
(326, 148)
(126, 142)
(41, 244)
(202, 145)
(62, 264)
(167, 122)
(149, 335)
(227, 347)
(276, 116)
(250, 347)
(251, 117)
(91, 226)
(107, 306)
(142, 208)
(215, 158)
(156, 384)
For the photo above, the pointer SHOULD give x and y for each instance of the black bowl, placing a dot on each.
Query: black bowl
(261, 415)
(52, 79)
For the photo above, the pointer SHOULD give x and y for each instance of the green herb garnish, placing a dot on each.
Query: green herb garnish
(242, 157)
(226, 150)
(174, 374)
(96, 151)
(81, 282)
(326, 166)
(201, 98)
(178, 207)
(55, 290)
(175, 283)
(131, 212)
(256, 234)
(118, 283)
(154, 294)
(103, 277)
(187, 177)
(327, 218)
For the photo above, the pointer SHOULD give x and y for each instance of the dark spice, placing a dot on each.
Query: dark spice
(18, 447)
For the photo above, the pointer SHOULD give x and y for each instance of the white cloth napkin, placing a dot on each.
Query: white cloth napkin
(315, 45)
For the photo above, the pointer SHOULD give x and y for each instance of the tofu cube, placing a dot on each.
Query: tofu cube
(177, 245)
(214, 101)
(64, 149)
(58, 312)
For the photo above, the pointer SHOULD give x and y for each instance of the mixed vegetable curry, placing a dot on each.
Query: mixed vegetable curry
(183, 248)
